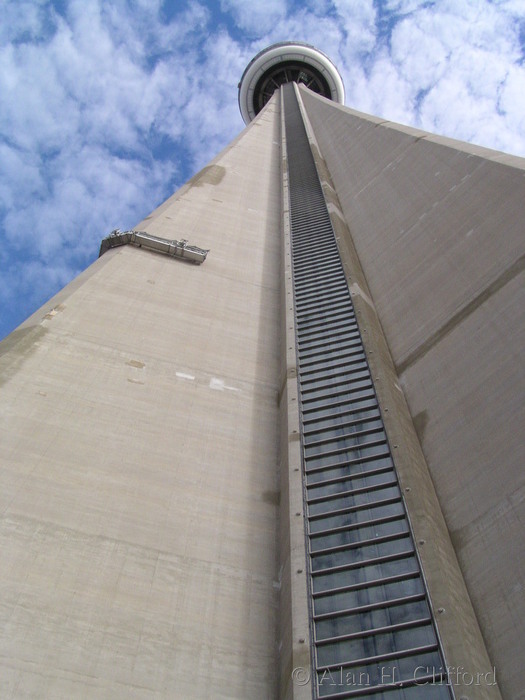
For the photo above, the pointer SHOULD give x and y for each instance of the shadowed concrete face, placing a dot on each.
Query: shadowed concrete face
(438, 227)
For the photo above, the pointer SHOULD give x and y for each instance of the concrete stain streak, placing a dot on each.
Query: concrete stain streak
(458, 317)
(54, 311)
(17, 347)
(210, 175)
(136, 363)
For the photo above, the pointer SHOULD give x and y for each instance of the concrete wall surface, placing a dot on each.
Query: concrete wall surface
(139, 457)
(438, 227)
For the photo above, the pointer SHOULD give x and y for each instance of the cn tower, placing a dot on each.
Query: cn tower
(269, 444)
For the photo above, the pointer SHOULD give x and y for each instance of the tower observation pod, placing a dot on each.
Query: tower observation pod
(287, 62)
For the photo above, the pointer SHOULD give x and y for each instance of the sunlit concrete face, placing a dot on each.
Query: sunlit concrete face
(139, 458)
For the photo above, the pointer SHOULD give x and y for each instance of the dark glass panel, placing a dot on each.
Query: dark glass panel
(350, 440)
(357, 516)
(331, 490)
(311, 294)
(377, 593)
(327, 386)
(323, 343)
(337, 361)
(366, 532)
(357, 392)
(354, 555)
(312, 284)
(335, 311)
(344, 425)
(376, 644)
(341, 416)
(349, 469)
(330, 351)
(332, 374)
(389, 671)
(353, 500)
(371, 619)
(362, 451)
(362, 574)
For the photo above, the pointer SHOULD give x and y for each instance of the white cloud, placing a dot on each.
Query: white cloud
(256, 16)
(357, 20)
(107, 106)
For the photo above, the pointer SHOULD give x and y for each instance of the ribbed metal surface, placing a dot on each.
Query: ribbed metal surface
(373, 632)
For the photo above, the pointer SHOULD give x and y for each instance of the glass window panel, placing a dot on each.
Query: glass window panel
(318, 272)
(435, 691)
(359, 452)
(327, 267)
(314, 264)
(324, 387)
(366, 532)
(339, 311)
(341, 416)
(355, 363)
(339, 487)
(338, 368)
(339, 342)
(315, 321)
(321, 301)
(322, 246)
(349, 469)
(360, 390)
(325, 326)
(313, 248)
(373, 433)
(357, 516)
(318, 336)
(331, 351)
(326, 289)
(323, 332)
(311, 254)
(385, 672)
(322, 241)
(321, 329)
(329, 341)
(335, 361)
(368, 551)
(371, 619)
(375, 644)
(353, 500)
(322, 271)
(307, 284)
(329, 376)
(346, 600)
(362, 574)
(344, 428)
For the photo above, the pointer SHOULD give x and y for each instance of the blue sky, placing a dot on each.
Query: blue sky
(108, 106)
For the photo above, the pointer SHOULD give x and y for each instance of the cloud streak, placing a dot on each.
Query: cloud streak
(108, 107)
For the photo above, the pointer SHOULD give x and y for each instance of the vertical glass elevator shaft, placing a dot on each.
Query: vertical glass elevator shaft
(373, 633)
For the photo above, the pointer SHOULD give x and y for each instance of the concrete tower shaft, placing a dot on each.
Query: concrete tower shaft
(298, 463)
